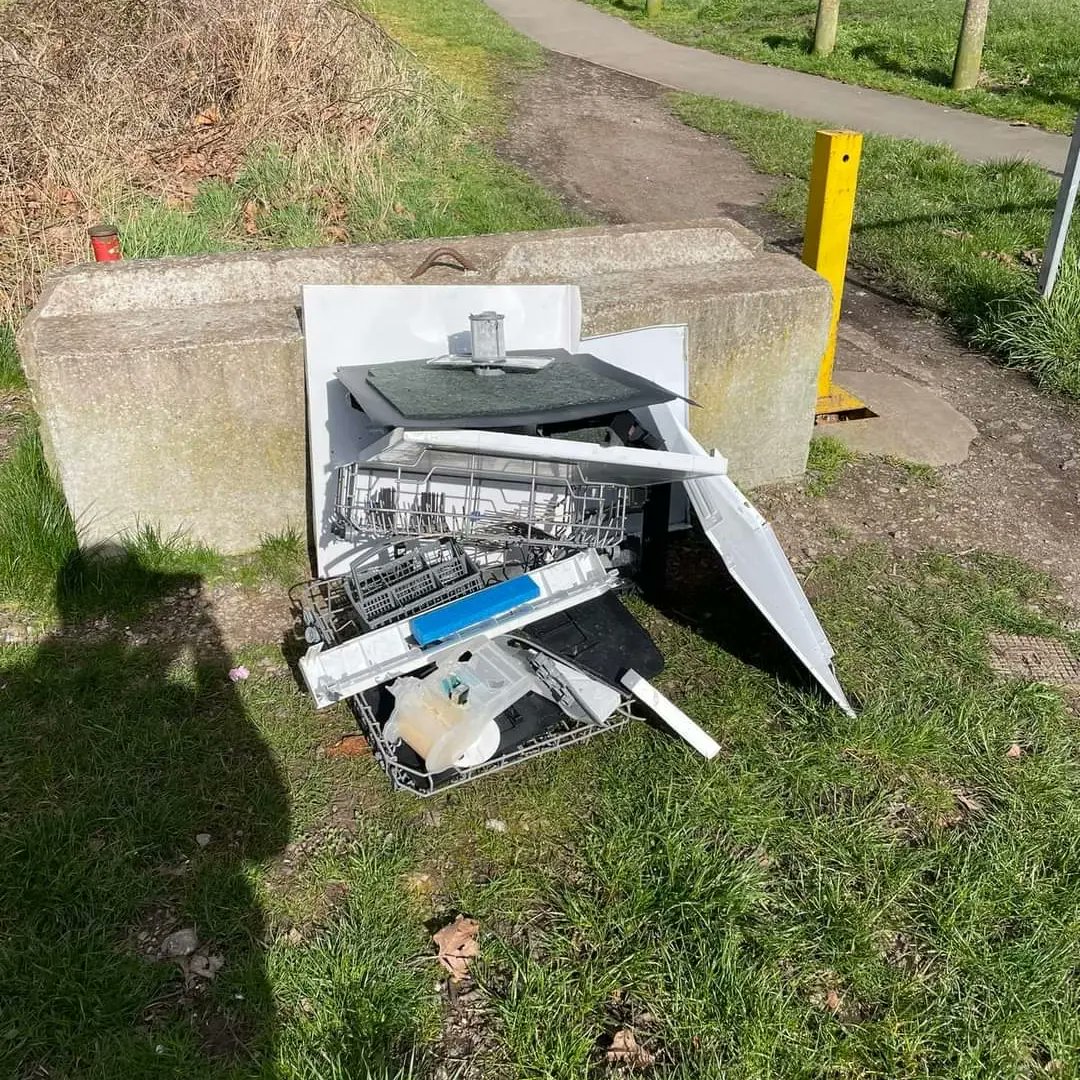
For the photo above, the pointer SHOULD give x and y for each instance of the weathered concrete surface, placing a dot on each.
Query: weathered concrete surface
(171, 390)
(912, 422)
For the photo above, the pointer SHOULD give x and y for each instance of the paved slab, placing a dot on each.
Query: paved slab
(575, 29)
(912, 422)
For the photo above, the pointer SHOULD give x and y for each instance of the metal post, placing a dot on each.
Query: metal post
(833, 179)
(1059, 227)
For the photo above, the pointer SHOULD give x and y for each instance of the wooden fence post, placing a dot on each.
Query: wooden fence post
(828, 15)
(969, 49)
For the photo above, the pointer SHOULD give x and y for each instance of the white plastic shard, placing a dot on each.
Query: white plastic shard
(502, 456)
(371, 659)
(671, 714)
(742, 537)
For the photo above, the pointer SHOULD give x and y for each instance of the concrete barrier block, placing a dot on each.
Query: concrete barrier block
(171, 393)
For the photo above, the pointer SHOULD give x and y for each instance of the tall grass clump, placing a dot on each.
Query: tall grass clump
(1041, 336)
(108, 103)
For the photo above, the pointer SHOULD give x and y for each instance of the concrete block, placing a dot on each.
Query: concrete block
(171, 390)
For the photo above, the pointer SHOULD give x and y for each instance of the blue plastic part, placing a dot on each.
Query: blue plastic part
(460, 614)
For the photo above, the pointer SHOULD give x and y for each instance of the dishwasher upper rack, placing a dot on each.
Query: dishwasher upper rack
(468, 503)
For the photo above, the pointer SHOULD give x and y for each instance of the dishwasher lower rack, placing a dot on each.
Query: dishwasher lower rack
(541, 511)
(406, 772)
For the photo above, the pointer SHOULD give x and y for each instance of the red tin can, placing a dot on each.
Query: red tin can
(106, 243)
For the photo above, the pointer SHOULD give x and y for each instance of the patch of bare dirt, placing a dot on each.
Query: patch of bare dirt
(1017, 494)
(467, 1046)
(224, 616)
(608, 144)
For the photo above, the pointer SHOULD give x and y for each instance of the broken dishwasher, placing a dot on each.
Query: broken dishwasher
(477, 521)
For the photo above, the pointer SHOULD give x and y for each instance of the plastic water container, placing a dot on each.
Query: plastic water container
(443, 715)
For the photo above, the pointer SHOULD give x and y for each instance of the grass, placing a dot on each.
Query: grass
(957, 238)
(293, 123)
(438, 174)
(44, 575)
(899, 860)
(11, 373)
(889, 895)
(1030, 67)
(828, 459)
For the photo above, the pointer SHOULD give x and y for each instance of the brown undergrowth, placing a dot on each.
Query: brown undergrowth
(106, 101)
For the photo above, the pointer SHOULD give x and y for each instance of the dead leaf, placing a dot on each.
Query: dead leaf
(968, 802)
(1031, 257)
(208, 117)
(833, 1001)
(457, 945)
(1015, 751)
(624, 1050)
(336, 234)
(349, 746)
(251, 217)
(956, 234)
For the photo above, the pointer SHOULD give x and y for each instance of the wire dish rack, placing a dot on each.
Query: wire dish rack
(324, 612)
(410, 577)
(541, 511)
(407, 577)
(404, 778)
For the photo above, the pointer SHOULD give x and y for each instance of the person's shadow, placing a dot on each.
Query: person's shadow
(135, 796)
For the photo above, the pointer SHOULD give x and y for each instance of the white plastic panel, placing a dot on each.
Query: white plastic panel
(510, 457)
(657, 353)
(742, 537)
(370, 324)
(756, 561)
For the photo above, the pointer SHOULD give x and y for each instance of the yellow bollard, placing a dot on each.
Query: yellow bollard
(833, 179)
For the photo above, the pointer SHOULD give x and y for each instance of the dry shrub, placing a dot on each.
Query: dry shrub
(105, 100)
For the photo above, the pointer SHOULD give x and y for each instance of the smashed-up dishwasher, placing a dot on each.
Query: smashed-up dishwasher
(476, 508)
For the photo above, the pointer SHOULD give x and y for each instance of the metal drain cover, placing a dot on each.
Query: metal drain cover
(1036, 659)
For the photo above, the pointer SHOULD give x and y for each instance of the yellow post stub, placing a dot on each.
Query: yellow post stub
(833, 178)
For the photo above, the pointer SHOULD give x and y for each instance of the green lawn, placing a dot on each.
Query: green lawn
(887, 896)
(960, 239)
(1031, 61)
